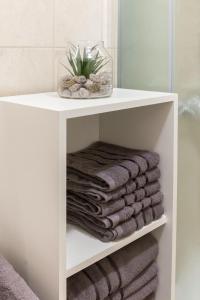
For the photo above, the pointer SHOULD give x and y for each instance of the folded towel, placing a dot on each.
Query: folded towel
(107, 178)
(98, 279)
(95, 208)
(140, 181)
(152, 175)
(12, 286)
(133, 259)
(115, 219)
(94, 284)
(126, 162)
(139, 194)
(119, 154)
(140, 221)
(109, 271)
(113, 190)
(146, 202)
(151, 158)
(129, 270)
(156, 198)
(158, 211)
(144, 292)
(129, 198)
(148, 215)
(95, 194)
(110, 221)
(84, 290)
(138, 283)
(109, 173)
(152, 188)
(105, 235)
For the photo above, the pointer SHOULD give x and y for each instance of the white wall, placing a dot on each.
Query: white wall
(34, 32)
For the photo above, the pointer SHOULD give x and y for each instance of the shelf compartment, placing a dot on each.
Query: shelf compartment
(83, 249)
(150, 127)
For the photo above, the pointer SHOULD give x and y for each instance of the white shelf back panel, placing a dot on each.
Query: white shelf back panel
(81, 132)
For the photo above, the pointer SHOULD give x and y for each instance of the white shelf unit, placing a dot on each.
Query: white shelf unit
(36, 131)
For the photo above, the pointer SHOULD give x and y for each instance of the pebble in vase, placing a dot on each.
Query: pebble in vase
(85, 71)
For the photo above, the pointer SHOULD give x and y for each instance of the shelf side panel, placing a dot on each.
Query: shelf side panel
(31, 203)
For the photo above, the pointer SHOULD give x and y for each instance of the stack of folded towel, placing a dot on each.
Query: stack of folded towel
(113, 191)
(131, 274)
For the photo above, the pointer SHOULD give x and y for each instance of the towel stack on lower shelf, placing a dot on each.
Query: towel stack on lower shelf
(113, 191)
(130, 273)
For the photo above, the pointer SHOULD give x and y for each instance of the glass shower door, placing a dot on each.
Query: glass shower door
(145, 49)
(151, 57)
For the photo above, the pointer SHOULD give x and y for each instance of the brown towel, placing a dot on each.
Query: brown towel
(129, 198)
(84, 290)
(92, 174)
(109, 173)
(139, 194)
(12, 286)
(97, 195)
(146, 202)
(152, 175)
(140, 181)
(123, 161)
(130, 270)
(158, 211)
(156, 198)
(119, 153)
(95, 208)
(151, 158)
(132, 260)
(99, 281)
(111, 190)
(140, 221)
(137, 206)
(105, 235)
(148, 215)
(110, 221)
(100, 209)
(152, 188)
(144, 292)
(138, 283)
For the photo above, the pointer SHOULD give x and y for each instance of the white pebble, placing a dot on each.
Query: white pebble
(84, 93)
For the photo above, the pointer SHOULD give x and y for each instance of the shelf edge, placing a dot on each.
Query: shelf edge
(117, 245)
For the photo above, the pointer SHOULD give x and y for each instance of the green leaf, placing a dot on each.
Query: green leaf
(84, 65)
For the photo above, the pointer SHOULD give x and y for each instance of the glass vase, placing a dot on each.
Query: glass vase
(85, 71)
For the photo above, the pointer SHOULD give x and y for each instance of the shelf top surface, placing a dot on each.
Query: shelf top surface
(121, 99)
(83, 249)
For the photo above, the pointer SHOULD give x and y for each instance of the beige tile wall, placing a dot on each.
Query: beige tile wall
(34, 32)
